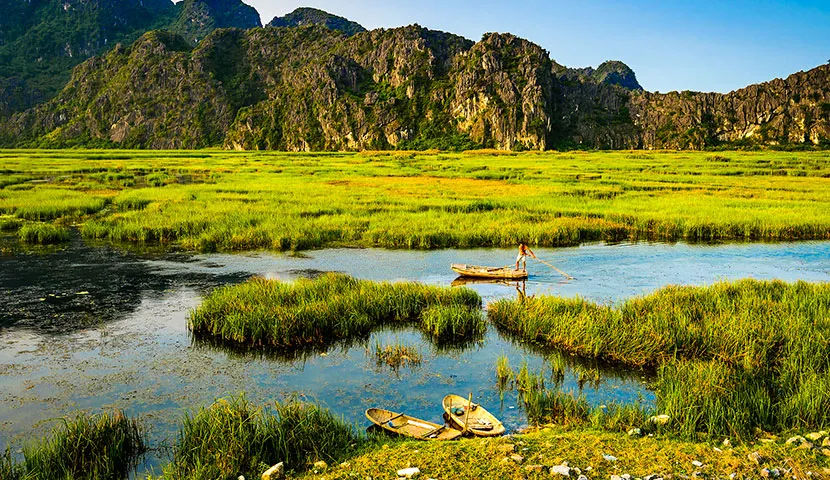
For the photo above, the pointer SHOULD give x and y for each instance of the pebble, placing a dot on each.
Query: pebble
(756, 457)
(635, 432)
(609, 458)
(770, 473)
(796, 440)
(517, 458)
(697, 463)
(563, 470)
(507, 448)
(411, 472)
(660, 419)
(616, 477)
(275, 473)
(582, 477)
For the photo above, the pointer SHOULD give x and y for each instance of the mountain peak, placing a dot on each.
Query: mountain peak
(312, 16)
(197, 18)
(613, 72)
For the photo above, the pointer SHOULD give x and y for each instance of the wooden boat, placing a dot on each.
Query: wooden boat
(410, 426)
(488, 272)
(480, 422)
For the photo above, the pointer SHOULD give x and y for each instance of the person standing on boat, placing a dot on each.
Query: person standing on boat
(524, 251)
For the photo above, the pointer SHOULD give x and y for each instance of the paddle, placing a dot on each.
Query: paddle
(560, 271)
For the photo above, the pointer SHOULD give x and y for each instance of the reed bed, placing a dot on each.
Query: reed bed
(43, 233)
(234, 438)
(286, 201)
(397, 355)
(330, 308)
(104, 446)
(730, 358)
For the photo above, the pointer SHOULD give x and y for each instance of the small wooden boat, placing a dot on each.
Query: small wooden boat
(479, 421)
(410, 426)
(488, 272)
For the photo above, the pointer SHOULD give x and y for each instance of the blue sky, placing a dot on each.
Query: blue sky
(715, 46)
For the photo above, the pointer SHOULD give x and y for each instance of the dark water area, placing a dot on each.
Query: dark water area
(86, 327)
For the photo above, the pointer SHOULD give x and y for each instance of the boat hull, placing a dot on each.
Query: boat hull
(481, 423)
(477, 271)
(410, 426)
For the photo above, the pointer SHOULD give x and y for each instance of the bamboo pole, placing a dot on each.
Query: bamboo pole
(467, 415)
(560, 271)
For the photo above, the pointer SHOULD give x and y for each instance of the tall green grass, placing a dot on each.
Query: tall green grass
(104, 446)
(43, 233)
(233, 438)
(283, 201)
(730, 357)
(327, 309)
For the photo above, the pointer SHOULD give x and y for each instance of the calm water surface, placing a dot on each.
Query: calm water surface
(91, 327)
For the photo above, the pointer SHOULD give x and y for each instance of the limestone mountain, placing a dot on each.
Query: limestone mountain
(198, 18)
(312, 16)
(42, 40)
(613, 72)
(314, 88)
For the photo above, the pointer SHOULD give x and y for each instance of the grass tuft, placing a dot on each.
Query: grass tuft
(43, 233)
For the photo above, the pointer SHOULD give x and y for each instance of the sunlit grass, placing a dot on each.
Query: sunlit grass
(730, 358)
(240, 201)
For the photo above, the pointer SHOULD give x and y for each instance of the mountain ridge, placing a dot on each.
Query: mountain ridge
(312, 87)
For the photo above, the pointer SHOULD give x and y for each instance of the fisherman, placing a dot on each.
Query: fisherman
(524, 251)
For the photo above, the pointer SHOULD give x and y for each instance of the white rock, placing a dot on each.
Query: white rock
(625, 476)
(563, 470)
(796, 440)
(411, 472)
(635, 432)
(616, 477)
(755, 457)
(697, 463)
(582, 477)
(609, 458)
(274, 473)
(660, 419)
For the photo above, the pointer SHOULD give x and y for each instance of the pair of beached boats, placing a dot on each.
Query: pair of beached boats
(463, 416)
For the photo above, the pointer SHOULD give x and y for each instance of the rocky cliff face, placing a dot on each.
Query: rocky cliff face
(795, 110)
(313, 88)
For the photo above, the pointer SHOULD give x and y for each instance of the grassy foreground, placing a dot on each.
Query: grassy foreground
(731, 358)
(334, 307)
(212, 200)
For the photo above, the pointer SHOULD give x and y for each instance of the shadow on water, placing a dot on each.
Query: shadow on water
(58, 290)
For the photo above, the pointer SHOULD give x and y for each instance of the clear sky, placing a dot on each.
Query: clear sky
(700, 45)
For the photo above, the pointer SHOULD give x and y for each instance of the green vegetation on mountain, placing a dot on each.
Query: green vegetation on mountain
(312, 16)
(42, 40)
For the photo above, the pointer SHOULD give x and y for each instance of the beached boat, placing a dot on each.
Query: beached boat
(479, 421)
(410, 426)
(488, 272)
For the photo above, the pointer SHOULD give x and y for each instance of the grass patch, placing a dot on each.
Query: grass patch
(10, 224)
(430, 200)
(104, 446)
(317, 312)
(731, 357)
(234, 437)
(43, 233)
(397, 355)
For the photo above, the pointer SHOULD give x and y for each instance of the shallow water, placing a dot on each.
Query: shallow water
(86, 327)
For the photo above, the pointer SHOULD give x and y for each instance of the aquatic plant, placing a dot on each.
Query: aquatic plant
(329, 308)
(233, 437)
(397, 355)
(731, 357)
(43, 233)
(104, 446)
(453, 322)
(504, 374)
